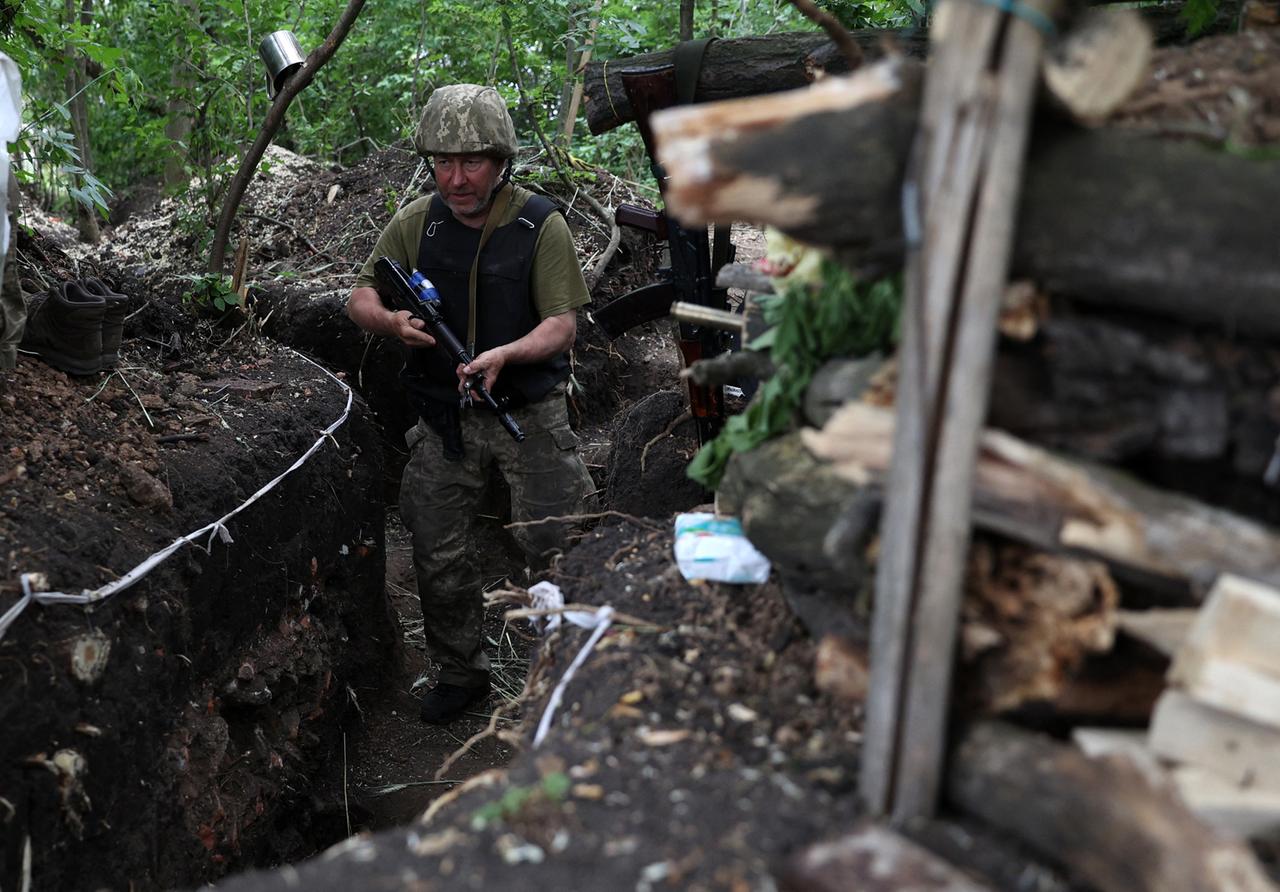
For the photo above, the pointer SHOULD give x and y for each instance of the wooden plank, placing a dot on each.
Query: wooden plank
(1240, 622)
(1237, 812)
(963, 182)
(1242, 752)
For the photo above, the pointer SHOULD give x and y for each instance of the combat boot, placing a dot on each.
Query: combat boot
(64, 328)
(112, 320)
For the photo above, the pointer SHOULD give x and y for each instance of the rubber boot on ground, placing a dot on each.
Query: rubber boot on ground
(64, 328)
(112, 320)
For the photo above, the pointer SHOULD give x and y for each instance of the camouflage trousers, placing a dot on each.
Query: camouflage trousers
(438, 503)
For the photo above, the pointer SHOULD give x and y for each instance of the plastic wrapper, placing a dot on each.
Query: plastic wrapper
(716, 549)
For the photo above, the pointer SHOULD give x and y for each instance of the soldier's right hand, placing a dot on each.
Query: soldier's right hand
(411, 330)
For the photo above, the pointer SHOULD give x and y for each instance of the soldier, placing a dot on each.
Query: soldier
(503, 261)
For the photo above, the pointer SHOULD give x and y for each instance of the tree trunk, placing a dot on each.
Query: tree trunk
(570, 118)
(178, 113)
(686, 19)
(77, 80)
(275, 117)
(745, 66)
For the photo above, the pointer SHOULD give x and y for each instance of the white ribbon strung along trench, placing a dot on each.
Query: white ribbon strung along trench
(600, 621)
(547, 596)
(217, 528)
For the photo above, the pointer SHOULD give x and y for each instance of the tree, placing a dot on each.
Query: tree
(292, 87)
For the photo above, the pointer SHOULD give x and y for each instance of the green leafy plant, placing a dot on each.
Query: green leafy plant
(210, 291)
(552, 789)
(840, 316)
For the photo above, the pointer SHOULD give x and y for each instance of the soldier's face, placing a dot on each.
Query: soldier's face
(466, 184)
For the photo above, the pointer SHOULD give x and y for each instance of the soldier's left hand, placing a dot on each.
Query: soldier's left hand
(489, 364)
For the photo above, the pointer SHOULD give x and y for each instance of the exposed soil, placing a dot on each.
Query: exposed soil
(287, 742)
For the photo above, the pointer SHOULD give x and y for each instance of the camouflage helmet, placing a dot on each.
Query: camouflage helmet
(466, 119)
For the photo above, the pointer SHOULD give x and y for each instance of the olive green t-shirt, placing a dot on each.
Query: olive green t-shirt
(557, 285)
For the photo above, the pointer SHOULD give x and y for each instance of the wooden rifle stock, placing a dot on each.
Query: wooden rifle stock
(642, 218)
(692, 277)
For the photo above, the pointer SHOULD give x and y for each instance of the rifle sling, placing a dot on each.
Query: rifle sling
(688, 59)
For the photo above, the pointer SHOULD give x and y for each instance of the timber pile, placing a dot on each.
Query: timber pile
(1143, 261)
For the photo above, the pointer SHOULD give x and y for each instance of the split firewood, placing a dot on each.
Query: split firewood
(1229, 659)
(1106, 216)
(1101, 820)
(1240, 751)
(1236, 811)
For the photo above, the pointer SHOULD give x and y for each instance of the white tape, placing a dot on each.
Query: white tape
(600, 621)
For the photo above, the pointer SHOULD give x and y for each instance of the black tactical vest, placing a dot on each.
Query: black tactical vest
(504, 303)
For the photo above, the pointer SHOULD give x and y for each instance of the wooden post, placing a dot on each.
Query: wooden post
(959, 203)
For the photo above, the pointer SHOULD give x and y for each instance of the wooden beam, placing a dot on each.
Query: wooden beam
(963, 184)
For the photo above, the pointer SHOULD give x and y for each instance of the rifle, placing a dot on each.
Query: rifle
(415, 293)
(690, 278)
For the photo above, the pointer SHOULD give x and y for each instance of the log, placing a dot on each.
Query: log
(1099, 62)
(1109, 216)
(1038, 627)
(745, 66)
(1229, 658)
(1100, 819)
(1057, 503)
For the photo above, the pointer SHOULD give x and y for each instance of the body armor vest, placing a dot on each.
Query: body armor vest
(504, 303)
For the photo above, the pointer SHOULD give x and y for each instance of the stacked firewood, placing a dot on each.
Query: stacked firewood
(1145, 344)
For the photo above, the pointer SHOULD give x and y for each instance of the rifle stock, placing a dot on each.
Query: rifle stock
(691, 278)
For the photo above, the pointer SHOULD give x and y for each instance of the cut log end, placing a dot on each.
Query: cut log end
(1099, 63)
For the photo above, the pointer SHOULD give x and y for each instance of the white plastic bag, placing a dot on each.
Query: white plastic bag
(715, 548)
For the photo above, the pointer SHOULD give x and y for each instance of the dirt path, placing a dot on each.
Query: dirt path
(393, 756)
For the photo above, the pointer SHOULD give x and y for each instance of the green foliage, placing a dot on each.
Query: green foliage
(519, 801)
(856, 14)
(841, 316)
(198, 59)
(1198, 14)
(210, 292)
